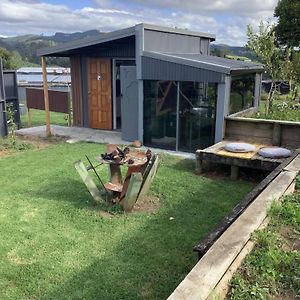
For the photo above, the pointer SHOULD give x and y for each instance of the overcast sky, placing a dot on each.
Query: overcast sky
(227, 19)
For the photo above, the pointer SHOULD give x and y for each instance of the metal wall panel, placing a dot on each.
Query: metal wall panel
(3, 123)
(155, 69)
(114, 49)
(129, 103)
(170, 42)
(205, 46)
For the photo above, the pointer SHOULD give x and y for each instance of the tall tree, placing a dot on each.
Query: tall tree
(6, 59)
(276, 61)
(288, 27)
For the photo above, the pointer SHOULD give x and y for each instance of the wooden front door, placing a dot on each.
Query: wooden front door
(99, 90)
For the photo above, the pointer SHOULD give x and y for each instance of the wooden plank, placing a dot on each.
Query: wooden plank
(234, 172)
(249, 138)
(259, 163)
(256, 129)
(149, 178)
(46, 96)
(291, 132)
(131, 196)
(204, 245)
(88, 181)
(276, 135)
(76, 90)
(294, 165)
(199, 283)
(253, 120)
(222, 288)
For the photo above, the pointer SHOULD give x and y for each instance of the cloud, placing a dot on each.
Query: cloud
(204, 6)
(225, 18)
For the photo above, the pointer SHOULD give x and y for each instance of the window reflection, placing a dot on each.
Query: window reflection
(242, 93)
(196, 114)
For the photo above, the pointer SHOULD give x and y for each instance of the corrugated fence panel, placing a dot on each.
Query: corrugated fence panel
(3, 123)
(155, 69)
(170, 42)
(76, 90)
(58, 100)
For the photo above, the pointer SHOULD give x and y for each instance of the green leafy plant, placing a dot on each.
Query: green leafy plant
(273, 267)
(11, 142)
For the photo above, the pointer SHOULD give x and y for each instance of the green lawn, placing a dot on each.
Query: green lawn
(38, 118)
(56, 245)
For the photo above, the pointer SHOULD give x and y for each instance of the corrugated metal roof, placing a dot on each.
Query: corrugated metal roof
(24, 79)
(38, 70)
(208, 62)
(62, 49)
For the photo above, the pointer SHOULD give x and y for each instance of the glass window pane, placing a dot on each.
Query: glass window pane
(160, 98)
(197, 102)
(242, 93)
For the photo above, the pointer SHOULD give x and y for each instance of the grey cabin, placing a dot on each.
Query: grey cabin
(158, 85)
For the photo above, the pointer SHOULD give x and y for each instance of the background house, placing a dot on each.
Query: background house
(158, 85)
(59, 78)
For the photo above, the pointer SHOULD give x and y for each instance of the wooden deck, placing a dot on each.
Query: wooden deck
(216, 154)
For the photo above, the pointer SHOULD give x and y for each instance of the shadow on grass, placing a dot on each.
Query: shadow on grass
(155, 253)
(151, 260)
(147, 264)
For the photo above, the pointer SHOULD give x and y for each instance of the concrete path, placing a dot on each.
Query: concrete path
(77, 134)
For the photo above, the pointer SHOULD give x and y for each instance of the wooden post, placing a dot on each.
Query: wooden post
(276, 135)
(234, 172)
(46, 96)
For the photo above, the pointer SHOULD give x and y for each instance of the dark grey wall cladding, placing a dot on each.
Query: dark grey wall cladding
(205, 46)
(155, 69)
(119, 48)
(174, 43)
(85, 96)
(11, 93)
(3, 124)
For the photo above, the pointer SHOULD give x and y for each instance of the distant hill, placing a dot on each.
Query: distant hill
(223, 50)
(26, 46)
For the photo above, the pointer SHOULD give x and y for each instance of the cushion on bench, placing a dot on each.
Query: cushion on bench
(239, 147)
(274, 152)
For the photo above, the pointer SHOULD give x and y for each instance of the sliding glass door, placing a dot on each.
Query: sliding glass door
(197, 103)
(179, 115)
(160, 106)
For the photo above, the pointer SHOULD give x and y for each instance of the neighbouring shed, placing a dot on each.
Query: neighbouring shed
(3, 122)
(11, 94)
(157, 84)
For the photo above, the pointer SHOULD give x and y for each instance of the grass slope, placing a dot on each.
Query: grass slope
(272, 269)
(56, 245)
